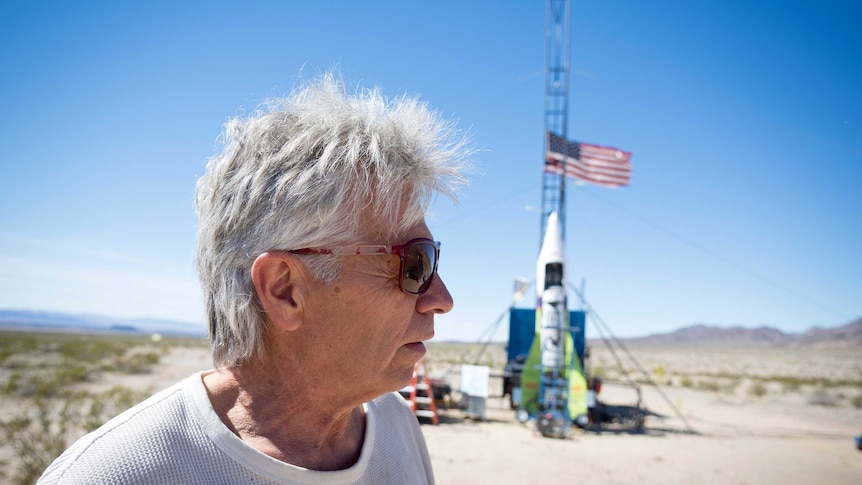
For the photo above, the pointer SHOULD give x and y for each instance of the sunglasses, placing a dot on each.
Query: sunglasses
(418, 260)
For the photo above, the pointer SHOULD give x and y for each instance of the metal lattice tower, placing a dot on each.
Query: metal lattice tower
(557, 26)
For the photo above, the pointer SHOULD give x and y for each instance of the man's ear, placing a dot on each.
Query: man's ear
(276, 276)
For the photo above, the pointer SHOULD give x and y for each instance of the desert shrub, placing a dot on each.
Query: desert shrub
(59, 361)
(791, 385)
(37, 436)
(138, 362)
(17, 343)
(12, 384)
(108, 404)
(729, 382)
(727, 375)
(712, 386)
(686, 381)
(91, 350)
(47, 382)
(44, 429)
(71, 372)
(757, 389)
(857, 401)
(41, 370)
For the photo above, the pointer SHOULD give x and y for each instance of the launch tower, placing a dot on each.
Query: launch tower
(557, 27)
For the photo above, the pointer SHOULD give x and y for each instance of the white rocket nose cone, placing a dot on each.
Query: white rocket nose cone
(552, 245)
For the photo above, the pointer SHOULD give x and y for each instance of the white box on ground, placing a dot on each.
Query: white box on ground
(474, 386)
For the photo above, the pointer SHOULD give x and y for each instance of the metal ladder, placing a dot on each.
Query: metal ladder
(421, 395)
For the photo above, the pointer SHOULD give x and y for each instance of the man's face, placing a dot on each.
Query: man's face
(369, 331)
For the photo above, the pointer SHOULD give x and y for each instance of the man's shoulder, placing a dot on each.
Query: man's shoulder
(399, 451)
(391, 413)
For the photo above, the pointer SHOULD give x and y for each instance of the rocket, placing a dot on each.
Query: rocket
(551, 296)
(552, 381)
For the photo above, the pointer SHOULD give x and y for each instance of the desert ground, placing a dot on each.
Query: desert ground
(713, 415)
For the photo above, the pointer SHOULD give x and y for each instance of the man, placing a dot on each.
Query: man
(319, 278)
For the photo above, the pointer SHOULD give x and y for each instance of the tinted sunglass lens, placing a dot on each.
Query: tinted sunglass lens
(419, 264)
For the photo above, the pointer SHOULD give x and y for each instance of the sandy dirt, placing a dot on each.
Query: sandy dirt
(691, 435)
(799, 428)
(753, 443)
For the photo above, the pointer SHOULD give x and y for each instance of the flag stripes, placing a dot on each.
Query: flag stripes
(600, 165)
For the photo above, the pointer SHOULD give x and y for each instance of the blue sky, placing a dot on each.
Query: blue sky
(744, 119)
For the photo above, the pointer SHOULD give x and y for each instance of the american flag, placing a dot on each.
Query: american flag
(604, 166)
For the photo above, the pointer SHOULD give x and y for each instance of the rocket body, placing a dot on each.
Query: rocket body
(553, 387)
(551, 296)
(551, 333)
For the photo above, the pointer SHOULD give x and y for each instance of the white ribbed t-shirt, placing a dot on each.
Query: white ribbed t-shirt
(176, 437)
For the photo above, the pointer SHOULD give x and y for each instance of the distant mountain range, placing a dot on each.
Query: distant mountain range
(849, 335)
(67, 322)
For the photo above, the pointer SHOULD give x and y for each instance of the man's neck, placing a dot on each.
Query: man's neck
(294, 421)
